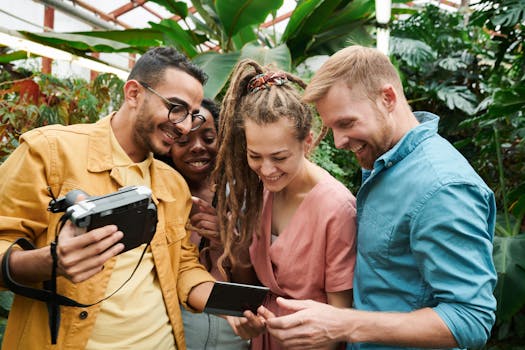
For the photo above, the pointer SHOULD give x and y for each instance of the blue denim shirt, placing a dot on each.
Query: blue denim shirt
(425, 229)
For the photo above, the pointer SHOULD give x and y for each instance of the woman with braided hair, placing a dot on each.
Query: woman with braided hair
(293, 218)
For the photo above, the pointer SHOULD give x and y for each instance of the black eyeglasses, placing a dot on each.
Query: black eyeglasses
(178, 112)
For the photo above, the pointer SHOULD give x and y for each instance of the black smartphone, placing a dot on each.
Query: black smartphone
(233, 299)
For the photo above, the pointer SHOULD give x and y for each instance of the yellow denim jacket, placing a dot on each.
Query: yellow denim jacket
(78, 157)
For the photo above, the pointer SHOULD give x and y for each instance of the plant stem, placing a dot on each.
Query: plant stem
(502, 182)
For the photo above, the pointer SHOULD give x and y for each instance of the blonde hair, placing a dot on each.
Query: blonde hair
(362, 67)
(239, 190)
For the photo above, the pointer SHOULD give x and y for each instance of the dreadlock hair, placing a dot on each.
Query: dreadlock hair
(238, 189)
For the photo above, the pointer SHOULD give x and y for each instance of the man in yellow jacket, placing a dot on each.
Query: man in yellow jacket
(162, 101)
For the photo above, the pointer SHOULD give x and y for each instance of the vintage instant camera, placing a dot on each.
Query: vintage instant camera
(130, 208)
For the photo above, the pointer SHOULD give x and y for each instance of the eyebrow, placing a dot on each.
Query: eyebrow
(179, 101)
(272, 154)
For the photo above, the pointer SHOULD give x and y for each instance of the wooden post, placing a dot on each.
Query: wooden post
(49, 23)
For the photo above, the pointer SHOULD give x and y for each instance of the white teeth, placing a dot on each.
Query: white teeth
(274, 178)
(357, 149)
(169, 135)
(199, 163)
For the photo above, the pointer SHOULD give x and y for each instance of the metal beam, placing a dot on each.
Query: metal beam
(81, 15)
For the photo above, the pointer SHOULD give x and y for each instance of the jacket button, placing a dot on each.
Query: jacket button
(83, 315)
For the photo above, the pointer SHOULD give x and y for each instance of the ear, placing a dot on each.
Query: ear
(132, 92)
(308, 143)
(389, 97)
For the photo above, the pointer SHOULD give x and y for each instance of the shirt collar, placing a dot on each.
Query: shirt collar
(427, 128)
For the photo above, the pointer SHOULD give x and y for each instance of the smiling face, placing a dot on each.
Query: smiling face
(358, 124)
(274, 153)
(153, 130)
(194, 154)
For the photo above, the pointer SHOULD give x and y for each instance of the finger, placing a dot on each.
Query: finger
(254, 320)
(201, 216)
(88, 251)
(88, 267)
(285, 322)
(265, 313)
(203, 205)
(85, 239)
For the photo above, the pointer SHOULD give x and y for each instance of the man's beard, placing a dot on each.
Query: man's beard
(144, 130)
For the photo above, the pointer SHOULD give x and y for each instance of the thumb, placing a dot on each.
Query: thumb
(292, 305)
(69, 229)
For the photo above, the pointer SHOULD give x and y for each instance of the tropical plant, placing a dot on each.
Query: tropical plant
(41, 99)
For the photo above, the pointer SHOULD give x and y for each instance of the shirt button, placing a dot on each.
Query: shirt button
(83, 315)
(389, 164)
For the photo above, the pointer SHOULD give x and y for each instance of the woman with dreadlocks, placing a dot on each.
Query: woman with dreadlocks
(295, 219)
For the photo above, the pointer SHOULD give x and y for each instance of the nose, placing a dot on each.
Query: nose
(267, 168)
(340, 140)
(197, 146)
(184, 126)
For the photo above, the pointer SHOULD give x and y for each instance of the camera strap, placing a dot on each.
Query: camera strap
(49, 294)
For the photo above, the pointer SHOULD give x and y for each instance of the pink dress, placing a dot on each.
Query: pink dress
(313, 255)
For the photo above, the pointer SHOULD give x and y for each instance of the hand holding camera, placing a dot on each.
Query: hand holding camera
(101, 227)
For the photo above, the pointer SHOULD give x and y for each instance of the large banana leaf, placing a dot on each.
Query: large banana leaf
(179, 8)
(218, 67)
(509, 259)
(78, 43)
(139, 37)
(278, 56)
(176, 36)
(237, 14)
(244, 36)
(324, 26)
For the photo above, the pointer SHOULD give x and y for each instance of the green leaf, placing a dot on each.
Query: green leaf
(356, 10)
(278, 56)
(324, 26)
(244, 36)
(452, 64)
(218, 67)
(6, 300)
(78, 42)
(237, 14)
(14, 56)
(140, 37)
(509, 259)
(509, 101)
(458, 97)
(179, 8)
(511, 14)
(413, 52)
(176, 36)
(299, 16)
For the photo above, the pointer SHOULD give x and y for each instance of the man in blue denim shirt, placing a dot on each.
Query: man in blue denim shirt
(424, 274)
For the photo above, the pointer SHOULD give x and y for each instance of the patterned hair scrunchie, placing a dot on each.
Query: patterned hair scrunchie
(266, 80)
